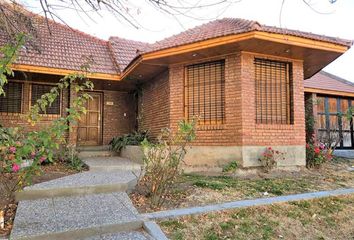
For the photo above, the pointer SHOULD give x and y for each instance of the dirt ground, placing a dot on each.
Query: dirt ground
(196, 190)
(320, 219)
(8, 206)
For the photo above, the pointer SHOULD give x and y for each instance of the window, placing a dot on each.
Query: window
(274, 93)
(12, 101)
(333, 122)
(204, 91)
(38, 90)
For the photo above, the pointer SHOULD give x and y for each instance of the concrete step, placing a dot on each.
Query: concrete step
(132, 235)
(109, 164)
(99, 153)
(82, 183)
(94, 148)
(77, 217)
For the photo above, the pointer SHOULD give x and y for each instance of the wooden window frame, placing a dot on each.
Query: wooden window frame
(266, 67)
(60, 98)
(21, 101)
(327, 114)
(219, 120)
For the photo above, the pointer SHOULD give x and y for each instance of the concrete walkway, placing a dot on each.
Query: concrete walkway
(91, 205)
(244, 203)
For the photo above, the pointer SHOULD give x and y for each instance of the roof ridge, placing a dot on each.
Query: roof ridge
(337, 78)
(289, 30)
(126, 39)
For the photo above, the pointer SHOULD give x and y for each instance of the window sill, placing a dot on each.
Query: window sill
(210, 127)
(275, 126)
(10, 114)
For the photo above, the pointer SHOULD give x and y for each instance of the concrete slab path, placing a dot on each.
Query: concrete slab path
(175, 213)
(88, 206)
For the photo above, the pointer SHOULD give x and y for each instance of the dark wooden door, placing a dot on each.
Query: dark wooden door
(90, 124)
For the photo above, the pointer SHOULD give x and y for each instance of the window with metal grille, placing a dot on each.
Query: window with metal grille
(274, 92)
(204, 91)
(36, 93)
(12, 101)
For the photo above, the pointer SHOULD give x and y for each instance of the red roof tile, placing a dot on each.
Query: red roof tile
(65, 48)
(327, 81)
(230, 26)
(124, 50)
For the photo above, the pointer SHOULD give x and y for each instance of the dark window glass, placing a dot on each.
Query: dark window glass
(12, 101)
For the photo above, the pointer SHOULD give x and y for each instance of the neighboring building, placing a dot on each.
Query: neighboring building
(244, 80)
(331, 97)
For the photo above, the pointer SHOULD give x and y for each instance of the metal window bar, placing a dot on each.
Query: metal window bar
(204, 92)
(274, 92)
(12, 101)
(38, 90)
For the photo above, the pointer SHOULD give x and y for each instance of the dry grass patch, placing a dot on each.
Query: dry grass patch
(196, 190)
(326, 218)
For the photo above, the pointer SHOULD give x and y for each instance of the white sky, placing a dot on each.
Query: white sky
(156, 25)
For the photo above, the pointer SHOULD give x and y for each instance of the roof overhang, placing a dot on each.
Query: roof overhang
(315, 54)
(63, 72)
(328, 92)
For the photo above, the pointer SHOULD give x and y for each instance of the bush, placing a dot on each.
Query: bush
(71, 158)
(230, 167)
(162, 160)
(135, 138)
(270, 158)
(317, 153)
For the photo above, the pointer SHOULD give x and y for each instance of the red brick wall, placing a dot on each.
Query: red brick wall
(120, 118)
(271, 134)
(114, 121)
(240, 127)
(226, 134)
(154, 105)
(20, 119)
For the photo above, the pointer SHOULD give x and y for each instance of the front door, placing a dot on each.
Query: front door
(89, 129)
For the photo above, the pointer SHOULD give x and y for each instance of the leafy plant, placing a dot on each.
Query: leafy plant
(22, 153)
(270, 158)
(317, 153)
(162, 160)
(230, 167)
(9, 53)
(135, 138)
(71, 158)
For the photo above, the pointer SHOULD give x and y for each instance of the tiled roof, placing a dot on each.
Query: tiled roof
(124, 50)
(65, 48)
(327, 81)
(230, 26)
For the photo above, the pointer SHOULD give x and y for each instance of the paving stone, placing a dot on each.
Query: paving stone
(81, 183)
(80, 216)
(111, 164)
(34, 218)
(133, 235)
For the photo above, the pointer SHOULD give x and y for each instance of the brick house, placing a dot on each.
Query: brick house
(243, 79)
(327, 96)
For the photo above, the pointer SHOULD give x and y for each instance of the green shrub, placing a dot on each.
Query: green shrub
(71, 158)
(162, 160)
(270, 158)
(317, 153)
(135, 138)
(230, 167)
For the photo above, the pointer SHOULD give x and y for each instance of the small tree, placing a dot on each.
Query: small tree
(162, 160)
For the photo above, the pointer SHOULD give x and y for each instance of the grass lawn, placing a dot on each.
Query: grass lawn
(326, 218)
(9, 206)
(196, 190)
